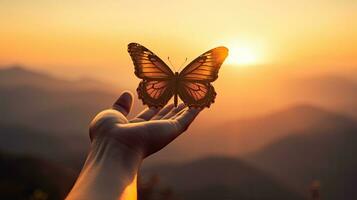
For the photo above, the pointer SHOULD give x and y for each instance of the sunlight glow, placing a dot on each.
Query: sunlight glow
(242, 56)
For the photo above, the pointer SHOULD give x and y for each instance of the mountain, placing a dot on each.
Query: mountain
(243, 136)
(325, 152)
(63, 108)
(49, 104)
(218, 178)
(17, 75)
(333, 92)
(24, 177)
(48, 117)
(24, 140)
(42, 114)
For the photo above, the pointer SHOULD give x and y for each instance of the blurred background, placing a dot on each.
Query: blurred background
(283, 125)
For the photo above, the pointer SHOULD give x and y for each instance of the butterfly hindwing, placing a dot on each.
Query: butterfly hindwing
(155, 93)
(147, 64)
(196, 94)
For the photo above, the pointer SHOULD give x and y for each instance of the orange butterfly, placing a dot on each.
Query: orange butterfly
(192, 84)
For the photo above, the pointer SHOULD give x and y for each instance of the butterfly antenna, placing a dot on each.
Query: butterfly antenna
(182, 64)
(168, 58)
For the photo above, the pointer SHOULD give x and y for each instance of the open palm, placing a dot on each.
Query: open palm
(148, 132)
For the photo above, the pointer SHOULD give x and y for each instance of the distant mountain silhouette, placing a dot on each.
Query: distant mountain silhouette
(36, 107)
(42, 114)
(19, 76)
(61, 107)
(242, 136)
(63, 112)
(325, 152)
(219, 178)
(333, 92)
(23, 177)
(64, 150)
(50, 104)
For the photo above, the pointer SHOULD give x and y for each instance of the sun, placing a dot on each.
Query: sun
(242, 56)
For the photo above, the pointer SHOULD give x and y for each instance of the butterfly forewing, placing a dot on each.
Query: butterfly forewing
(205, 67)
(147, 64)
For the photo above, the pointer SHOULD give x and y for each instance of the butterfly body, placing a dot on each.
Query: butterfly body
(193, 84)
(177, 84)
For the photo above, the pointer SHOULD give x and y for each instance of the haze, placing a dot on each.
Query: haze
(79, 38)
(286, 95)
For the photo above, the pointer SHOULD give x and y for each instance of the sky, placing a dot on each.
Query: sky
(267, 39)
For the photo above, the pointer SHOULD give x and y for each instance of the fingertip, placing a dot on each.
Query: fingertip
(174, 111)
(195, 111)
(187, 117)
(124, 103)
(163, 111)
(181, 106)
(166, 109)
(170, 105)
(155, 109)
(127, 93)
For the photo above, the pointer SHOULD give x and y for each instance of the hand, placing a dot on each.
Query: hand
(119, 145)
(146, 133)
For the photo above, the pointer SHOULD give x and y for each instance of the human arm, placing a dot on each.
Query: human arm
(119, 145)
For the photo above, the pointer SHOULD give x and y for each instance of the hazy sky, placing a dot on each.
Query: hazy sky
(90, 37)
(269, 42)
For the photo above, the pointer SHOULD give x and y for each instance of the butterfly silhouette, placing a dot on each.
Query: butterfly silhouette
(193, 84)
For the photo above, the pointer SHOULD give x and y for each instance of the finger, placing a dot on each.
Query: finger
(174, 111)
(146, 114)
(124, 103)
(179, 113)
(186, 118)
(163, 112)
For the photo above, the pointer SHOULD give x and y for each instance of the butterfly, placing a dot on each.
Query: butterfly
(193, 84)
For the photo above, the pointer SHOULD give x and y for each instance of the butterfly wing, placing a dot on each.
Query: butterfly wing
(195, 88)
(147, 64)
(206, 66)
(155, 93)
(157, 87)
(196, 94)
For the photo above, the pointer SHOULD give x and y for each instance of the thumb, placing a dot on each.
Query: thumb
(124, 103)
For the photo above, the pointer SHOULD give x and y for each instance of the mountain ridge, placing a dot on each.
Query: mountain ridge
(218, 177)
(244, 136)
(327, 154)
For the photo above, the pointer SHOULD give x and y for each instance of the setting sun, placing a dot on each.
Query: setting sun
(242, 56)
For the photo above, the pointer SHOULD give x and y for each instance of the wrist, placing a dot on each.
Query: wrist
(109, 171)
(107, 151)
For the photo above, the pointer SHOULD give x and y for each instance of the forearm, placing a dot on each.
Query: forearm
(109, 172)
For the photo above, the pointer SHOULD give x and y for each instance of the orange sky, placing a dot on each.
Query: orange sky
(89, 38)
(82, 36)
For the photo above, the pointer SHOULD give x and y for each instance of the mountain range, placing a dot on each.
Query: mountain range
(218, 178)
(334, 92)
(27, 177)
(244, 136)
(326, 153)
(278, 153)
